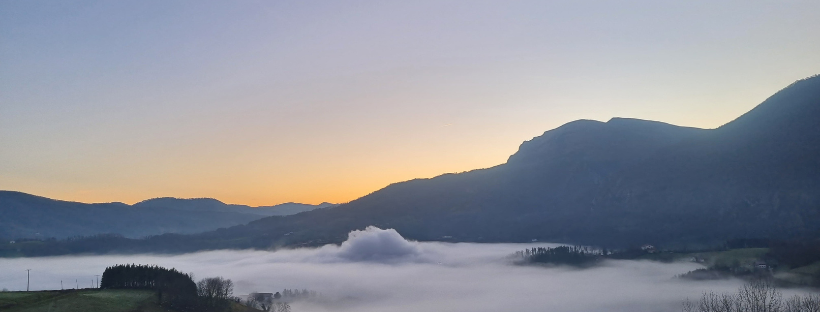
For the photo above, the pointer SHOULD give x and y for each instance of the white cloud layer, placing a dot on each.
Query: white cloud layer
(378, 270)
(373, 245)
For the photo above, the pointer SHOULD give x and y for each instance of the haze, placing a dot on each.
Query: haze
(260, 102)
(378, 270)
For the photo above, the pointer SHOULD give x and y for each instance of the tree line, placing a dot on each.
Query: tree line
(568, 255)
(268, 302)
(279, 302)
(296, 294)
(174, 289)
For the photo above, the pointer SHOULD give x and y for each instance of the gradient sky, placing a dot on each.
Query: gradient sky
(263, 102)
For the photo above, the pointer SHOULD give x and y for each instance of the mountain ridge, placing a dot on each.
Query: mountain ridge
(25, 215)
(714, 184)
(617, 183)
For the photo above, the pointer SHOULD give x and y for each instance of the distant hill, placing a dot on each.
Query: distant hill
(213, 205)
(616, 183)
(28, 216)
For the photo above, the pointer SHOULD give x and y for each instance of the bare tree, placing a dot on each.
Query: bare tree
(711, 302)
(251, 302)
(215, 287)
(689, 306)
(281, 306)
(757, 296)
(260, 301)
(807, 303)
(215, 291)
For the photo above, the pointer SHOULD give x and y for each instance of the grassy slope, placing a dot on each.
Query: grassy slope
(812, 269)
(733, 257)
(805, 275)
(109, 300)
(80, 301)
(729, 258)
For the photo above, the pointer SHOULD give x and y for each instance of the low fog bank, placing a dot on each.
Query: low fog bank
(378, 270)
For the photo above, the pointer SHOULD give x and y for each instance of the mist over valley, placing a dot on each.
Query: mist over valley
(378, 270)
(371, 156)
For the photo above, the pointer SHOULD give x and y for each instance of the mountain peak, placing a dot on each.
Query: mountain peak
(618, 136)
(183, 203)
(793, 109)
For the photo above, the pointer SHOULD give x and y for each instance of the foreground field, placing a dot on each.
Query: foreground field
(80, 301)
(87, 300)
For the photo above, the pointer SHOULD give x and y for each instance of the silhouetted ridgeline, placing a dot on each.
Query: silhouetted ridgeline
(617, 183)
(28, 216)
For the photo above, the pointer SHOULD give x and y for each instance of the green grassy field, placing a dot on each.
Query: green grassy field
(733, 257)
(80, 301)
(812, 269)
(88, 300)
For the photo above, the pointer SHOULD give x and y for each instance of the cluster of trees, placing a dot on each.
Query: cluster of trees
(76, 244)
(296, 294)
(136, 276)
(174, 289)
(757, 296)
(279, 302)
(569, 255)
(267, 302)
(215, 294)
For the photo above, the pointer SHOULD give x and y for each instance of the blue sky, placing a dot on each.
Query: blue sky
(261, 102)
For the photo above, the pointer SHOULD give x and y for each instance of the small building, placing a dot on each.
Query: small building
(762, 265)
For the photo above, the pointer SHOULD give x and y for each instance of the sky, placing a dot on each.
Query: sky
(264, 102)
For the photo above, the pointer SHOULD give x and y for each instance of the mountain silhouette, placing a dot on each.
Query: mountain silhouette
(616, 183)
(620, 182)
(27, 216)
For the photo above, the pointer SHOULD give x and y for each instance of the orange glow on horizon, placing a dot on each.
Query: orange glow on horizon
(327, 102)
